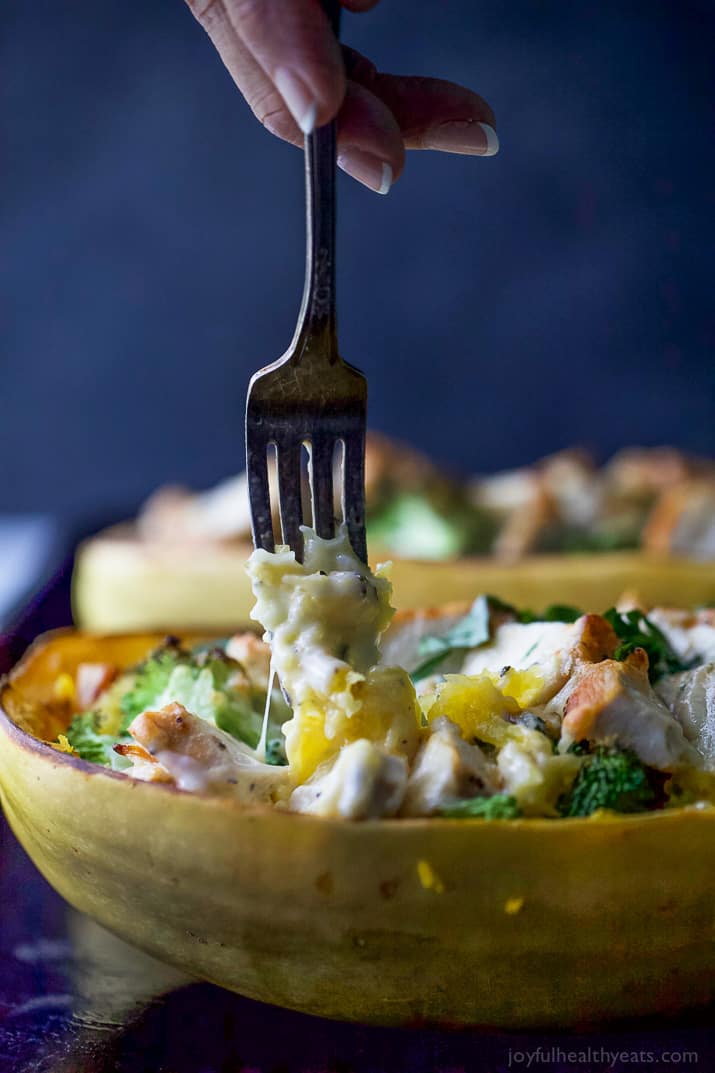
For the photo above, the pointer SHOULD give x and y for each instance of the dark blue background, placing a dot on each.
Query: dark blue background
(152, 243)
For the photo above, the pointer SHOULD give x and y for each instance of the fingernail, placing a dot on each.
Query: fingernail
(298, 98)
(367, 169)
(462, 136)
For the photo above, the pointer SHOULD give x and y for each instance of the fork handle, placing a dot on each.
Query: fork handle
(317, 327)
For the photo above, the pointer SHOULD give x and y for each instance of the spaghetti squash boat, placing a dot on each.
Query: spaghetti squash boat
(578, 531)
(478, 814)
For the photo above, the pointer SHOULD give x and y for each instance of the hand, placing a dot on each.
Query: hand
(286, 61)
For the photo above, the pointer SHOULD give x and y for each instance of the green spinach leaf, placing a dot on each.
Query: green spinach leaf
(470, 632)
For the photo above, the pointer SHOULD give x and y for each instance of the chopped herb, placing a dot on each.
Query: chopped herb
(635, 630)
(495, 604)
(534, 722)
(275, 752)
(496, 807)
(552, 613)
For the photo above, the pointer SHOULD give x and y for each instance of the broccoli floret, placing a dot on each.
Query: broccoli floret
(200, 680)
(151, 679)
(84, 738)
(613, 779)
(432, 525)
(496, 807)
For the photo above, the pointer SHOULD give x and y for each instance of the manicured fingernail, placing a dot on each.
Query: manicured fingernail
(462, 136)
(367, 169)
(298, 98)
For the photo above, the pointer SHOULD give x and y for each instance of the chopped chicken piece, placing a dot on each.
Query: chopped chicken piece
(174, 514)
(614, 704)
(641, 472)
(199, 757)
(571, 479)
(691, 634)
(144, 766)
(447, 768)
(524, 526)
(502, 492)
(595, 641)
(363, 782)
(683, 520)
(562, 489)
(690, 696)
(253, 654)
(92, 679)
(631, 600)
(392, 467)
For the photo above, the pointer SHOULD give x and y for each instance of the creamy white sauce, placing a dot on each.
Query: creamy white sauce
(521, 645)
(187, 772)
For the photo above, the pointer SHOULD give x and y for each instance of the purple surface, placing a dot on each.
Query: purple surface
(48, 609)
(74, 999)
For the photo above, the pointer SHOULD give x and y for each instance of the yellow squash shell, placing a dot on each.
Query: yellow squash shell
(121, 583)
(507, 923)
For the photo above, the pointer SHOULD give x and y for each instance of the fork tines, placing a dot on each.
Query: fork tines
(332, 432)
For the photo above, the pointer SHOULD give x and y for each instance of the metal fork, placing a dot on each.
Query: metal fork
(310, 396)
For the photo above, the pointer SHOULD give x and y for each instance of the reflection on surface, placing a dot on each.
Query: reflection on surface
(67, 986)
(112, 981)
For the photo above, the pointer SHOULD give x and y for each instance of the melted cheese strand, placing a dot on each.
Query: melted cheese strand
(261, 746)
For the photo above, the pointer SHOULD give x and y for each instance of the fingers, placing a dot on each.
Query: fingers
(431, 113)
(370, 145)
(261, 95)
(289, 67)
(293, 45)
